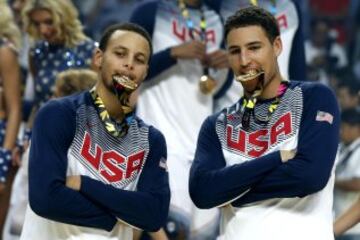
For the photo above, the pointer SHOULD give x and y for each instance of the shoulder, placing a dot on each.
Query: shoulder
(313, 89)
(155, 135)
(7, 47)
(144, 13)
(211, 121)
(214, 4)
(8, 55)
(64, 107)
(88, 44)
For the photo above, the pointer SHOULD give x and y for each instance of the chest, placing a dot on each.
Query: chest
(279, 133)
(97, 154)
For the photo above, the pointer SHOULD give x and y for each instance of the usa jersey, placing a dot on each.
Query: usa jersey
(124, 182)
(241, 171)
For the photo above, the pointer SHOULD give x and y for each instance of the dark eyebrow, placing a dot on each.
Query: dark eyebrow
(253, 43)
(120, 48)
(233, 47)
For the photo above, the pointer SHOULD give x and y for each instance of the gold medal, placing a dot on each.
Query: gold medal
(249, 76)
(207, 84)
(126, 82)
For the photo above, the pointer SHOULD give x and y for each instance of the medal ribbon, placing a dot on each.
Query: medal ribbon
(117, 129)
(190, 25)
(248, 106)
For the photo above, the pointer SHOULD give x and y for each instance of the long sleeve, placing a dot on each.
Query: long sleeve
(309, 171)
(145, 16)
(297, 63)
(212, 183)
(146, 208)
(53, 133)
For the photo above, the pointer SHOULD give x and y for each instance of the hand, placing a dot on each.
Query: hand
(17, 153)
(218, 60)
(190, 50)
(287, 155)
(73, 182)
(21, 147)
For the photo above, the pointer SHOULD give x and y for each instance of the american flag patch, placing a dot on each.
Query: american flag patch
(324, 117)
(162, 163)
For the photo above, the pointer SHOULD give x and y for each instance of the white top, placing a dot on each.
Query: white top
(347, 171)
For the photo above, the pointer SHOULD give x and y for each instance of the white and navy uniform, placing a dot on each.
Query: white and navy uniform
(292, 58)
(347, 169)
(241, 170)
(124, 182)
(170, 98)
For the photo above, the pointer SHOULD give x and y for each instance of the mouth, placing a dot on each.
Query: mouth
(121, 82)
(250, 75)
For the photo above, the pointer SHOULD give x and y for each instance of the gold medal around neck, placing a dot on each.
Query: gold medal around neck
(207, 84)
(129, 87)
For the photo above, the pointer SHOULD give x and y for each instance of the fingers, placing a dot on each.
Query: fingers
(16, 156)
(287, 155)
(197, 50)
(190, 50)
(73, 182)
(218, 60)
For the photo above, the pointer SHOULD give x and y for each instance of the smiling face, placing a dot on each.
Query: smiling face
(44, 24)
(125, 57)
(249, 50)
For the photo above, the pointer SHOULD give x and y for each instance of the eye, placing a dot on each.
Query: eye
(48, 22)
(254, 48)
(234, 51)
(119, 54)
(140, 60)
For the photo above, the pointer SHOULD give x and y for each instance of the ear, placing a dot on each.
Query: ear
(97, 58)
(277, 45)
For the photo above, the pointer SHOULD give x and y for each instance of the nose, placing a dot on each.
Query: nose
(129, 63)
(244, 58)
(43, 29)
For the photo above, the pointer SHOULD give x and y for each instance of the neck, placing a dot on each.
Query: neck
(270, 90)
(111, 102)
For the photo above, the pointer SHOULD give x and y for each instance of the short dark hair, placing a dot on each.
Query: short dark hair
(132, 27)
(251, 16)
(351, 116)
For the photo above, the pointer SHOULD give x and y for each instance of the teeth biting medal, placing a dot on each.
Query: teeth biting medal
(252, 74)
(125, 82)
